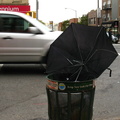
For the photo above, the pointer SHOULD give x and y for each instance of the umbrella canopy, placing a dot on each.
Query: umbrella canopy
(81, 52)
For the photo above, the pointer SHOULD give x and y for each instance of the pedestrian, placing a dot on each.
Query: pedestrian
(110, 33)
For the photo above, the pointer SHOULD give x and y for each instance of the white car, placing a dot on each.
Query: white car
(114, 38)
(23, 39)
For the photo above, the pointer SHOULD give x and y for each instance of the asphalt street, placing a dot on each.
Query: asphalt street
(23, 92)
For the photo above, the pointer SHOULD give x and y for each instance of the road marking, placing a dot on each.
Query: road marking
(118, 53)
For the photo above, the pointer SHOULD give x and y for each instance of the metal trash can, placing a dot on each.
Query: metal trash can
(69, 100)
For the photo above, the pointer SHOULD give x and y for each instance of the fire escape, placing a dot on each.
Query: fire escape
(107, 9)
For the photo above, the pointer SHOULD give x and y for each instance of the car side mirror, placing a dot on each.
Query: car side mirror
(34, 30)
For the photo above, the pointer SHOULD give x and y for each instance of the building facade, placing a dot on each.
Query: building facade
(110, 16)
(106, 10)
(14, 2)
(73, 20)
(92, 18)
(15, 5)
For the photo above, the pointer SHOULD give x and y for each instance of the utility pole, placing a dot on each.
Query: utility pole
(98, 3)
(37, 7)
(98, 13)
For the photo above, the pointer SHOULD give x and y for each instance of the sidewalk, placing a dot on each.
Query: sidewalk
(116, 118)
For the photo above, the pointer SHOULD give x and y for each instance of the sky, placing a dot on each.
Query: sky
(54, 10)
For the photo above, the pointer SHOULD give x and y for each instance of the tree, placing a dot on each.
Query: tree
(41, 22)
(84, 20)
(65, 24)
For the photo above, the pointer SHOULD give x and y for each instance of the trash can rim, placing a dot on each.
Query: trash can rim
(69, 85)
(68, 80)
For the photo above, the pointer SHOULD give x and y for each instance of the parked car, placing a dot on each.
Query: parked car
(114, 38)
(23, 39)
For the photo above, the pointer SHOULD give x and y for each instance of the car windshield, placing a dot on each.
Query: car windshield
(42, 26)
(10, 19)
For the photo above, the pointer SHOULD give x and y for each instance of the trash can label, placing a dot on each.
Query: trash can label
(62, 86)
(80, 86)
(52, 85)
(70, 86)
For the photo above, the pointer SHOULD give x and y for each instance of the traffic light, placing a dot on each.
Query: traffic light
(34, 14)
(31, 13)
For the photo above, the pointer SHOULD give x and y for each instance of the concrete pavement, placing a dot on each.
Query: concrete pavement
(23, 95)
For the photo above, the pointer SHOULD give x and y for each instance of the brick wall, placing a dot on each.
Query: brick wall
(73, 20)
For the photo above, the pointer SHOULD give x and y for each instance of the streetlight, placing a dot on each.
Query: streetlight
(37, 7)
(74, 11)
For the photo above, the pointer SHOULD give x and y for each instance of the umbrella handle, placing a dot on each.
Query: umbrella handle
(110, 74)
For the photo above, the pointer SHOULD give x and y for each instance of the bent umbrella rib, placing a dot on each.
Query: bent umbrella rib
(87, 59)
(99, 50)
(77, 45)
